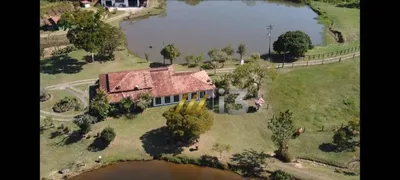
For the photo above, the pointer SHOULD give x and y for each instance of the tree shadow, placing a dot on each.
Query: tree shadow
(97, 145)
(158, 141)
(55, 134)
(250, 162)
(73, 137)
(328, 147)
(278, 58)
(156, 65)
(98, 58)
(61, 64)
(252, 109)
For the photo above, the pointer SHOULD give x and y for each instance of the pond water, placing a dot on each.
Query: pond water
(155, 170)
(197, 28)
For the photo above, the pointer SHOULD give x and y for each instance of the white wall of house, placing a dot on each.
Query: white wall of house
(164, 100)
(117, 3)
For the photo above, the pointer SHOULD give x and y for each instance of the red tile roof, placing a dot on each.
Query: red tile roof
(158, 81)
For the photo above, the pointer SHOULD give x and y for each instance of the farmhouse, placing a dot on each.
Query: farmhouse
(165, 85)
(124, 3)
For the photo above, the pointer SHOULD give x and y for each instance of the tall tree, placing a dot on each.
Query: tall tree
(250, 74)
(220, 56)
(188, 126)
(228, 50)
(282, 130)
(144, 101)
(99, 106)
(170, 52)
(297, 43)
(241, 50)
(112, 38)
(221, 148)
(84, 29)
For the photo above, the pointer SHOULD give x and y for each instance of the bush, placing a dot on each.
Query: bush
(85, 124)
(44, 95)
(65, 50)
(285, 156)
(280, 175)
(65, 104)
(255, 56)
(108, 134)
(297, 43)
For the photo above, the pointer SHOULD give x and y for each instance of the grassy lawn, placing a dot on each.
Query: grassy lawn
(315, 95)
(345, 20)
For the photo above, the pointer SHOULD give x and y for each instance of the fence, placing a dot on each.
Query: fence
(332, 54)
(315, 62)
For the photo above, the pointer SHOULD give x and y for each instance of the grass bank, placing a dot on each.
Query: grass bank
(345, 20)
(321, 95)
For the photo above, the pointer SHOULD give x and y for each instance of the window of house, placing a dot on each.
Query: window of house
(202, 93)
(193, 94)
(176, 98)
(167, 99)
(158, 100)
(120, 1)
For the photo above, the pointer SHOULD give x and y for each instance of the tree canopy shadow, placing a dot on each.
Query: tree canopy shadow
(97, 145)
(158, 141)
(74, 137)
(250, 162)
(55, 134)
(156, 65)
(98, 58)
(328, 147)
(61, 64)
(278, 58)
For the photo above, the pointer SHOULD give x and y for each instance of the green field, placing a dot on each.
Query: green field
(315, 95)
(345, 20)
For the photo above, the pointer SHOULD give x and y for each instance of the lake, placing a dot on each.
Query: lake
(155, 170)
(195, 29)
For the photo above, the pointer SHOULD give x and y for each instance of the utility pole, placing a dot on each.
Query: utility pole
(269, 35)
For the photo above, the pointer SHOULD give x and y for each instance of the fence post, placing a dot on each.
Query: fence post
(323, 56)
(307, 63)
(319, 55)
(292, 64)
(283, 64)
(331, 54)
(340, 59)
(322, 61)
(354, 55)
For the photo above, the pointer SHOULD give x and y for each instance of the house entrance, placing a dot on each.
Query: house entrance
(132, 3)
(108, 4)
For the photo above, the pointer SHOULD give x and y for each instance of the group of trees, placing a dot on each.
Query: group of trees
(88, 31)
(100, 106)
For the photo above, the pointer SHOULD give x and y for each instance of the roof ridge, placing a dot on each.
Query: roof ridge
(123, 79)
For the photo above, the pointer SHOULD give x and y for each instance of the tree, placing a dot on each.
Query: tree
(211, 53)
(341, 139)
(126, 104)
(194, 61)
(297, 43)
(241, 50)
(84, 124)
(108, 135)
(221, 148)
(282, 130)
(228, 50)
(188, 126)
(214, 65)
(144, 101)
(85, 30)
(170, 52)
(255, 56)
(112, 38)
(99, 106)
(250, 162)
(220, 56)
(281, 175)
(250, 74)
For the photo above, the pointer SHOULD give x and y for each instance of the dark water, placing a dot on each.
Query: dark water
(195, 29)
(157, 170)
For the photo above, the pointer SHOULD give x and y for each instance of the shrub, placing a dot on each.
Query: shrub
(44, 95)
(255, 56)
(85, 124)
(65, 104)
(285, 156)
(297, 43)
(108, 134)
(280, 175)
